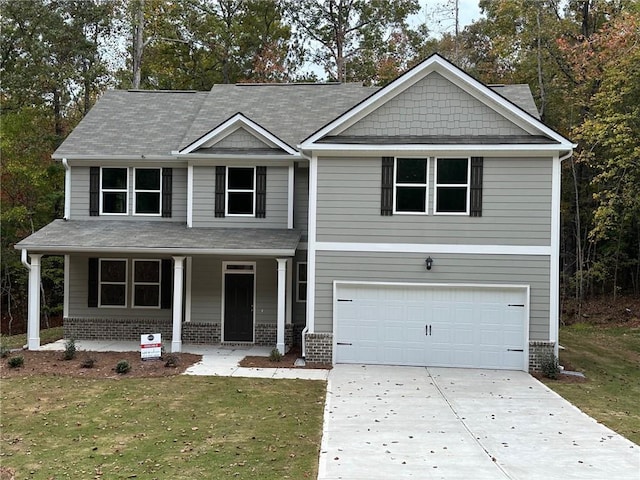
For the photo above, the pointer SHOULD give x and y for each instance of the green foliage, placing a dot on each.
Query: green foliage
(69, 349)
(275, 355)
(5, 351)
(16, 362)
(123, 367)
(549, 366)
(171, 360)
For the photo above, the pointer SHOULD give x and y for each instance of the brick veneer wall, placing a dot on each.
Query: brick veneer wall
(319, 348)
(267, 335)
(537, 353)
(115, 328)
(201, 333)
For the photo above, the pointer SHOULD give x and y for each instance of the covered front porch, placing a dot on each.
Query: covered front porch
(200, 286)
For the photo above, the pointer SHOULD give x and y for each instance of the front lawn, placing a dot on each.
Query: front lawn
(47, 335)
(154, 428)
(609, 356)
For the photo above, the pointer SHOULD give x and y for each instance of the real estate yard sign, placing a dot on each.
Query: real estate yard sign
(150, 346)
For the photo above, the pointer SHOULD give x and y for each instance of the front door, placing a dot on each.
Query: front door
(238, 307)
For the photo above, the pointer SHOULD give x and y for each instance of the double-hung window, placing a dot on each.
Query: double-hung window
(113, 283)
(114, 188)
(301, 287)
(146, 283)
(241, 190)
(452, 186)
(147, 187)
(410, 185)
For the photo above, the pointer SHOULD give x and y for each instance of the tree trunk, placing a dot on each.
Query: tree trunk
(138, 44)
(579, 252)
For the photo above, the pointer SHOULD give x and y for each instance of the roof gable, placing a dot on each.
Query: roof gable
(238, 132)
(438, 81)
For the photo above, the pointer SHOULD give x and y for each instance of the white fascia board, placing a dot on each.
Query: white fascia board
(231, 125)
(435, 63)
(224, 159)
(86, 159)
(535, 250)
(166, 251)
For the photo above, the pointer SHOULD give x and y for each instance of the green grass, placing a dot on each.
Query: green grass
(173, 427)
(610, 359)
(47, 335)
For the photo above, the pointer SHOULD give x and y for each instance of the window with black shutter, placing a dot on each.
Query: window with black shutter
(476, 186)
(220, 195)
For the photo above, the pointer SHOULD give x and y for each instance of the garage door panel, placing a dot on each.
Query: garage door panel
(424, 325)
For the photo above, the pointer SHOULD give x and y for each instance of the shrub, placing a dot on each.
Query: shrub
(172, 360)
(549, 366)
(123, 367)
(275, 355)
(88, 362)
(16, 362)
(4, 350)
(69, 349)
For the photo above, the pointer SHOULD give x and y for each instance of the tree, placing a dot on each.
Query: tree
(352, 36)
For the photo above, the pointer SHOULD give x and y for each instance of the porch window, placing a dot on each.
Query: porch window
(301, 282)
(113, 283)
(146, 283)
(114, 187)
(147, 191)
(410, 185)
(241, 188)
(452, 186)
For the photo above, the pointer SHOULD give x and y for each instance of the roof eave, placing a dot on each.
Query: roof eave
(61, 249)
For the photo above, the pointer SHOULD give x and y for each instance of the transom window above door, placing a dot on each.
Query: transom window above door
(411, 185)
(452, 185)
(241, 189)
(147, 191)
(114, 189)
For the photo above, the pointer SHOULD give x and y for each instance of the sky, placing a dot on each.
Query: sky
(440, 18)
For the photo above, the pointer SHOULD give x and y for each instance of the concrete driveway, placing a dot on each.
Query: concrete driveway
(384, 422)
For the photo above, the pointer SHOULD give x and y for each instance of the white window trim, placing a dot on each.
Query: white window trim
(300, 282)
(114, 190)
(228, 191)
(425, 185)
(136, 191)
(125, 283)
(457, 185)
(134, 284)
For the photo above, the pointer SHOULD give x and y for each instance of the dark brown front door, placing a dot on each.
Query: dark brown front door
(238, 307)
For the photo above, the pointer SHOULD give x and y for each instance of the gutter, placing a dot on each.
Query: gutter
(23, 259)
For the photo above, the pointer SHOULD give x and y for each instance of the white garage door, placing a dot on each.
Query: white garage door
(475, 327)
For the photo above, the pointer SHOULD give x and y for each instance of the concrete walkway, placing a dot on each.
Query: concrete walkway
(407, 422)
(217, 360)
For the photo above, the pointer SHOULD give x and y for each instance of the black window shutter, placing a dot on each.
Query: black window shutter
(261, 192)
(386, 199)
(220, 190)
(92, 300)
(167, 283)
(94, 191)
(167, 186)
(476, 187)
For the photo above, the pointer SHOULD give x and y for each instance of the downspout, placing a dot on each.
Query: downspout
(304, 342)
(23, 258)
(67, 189)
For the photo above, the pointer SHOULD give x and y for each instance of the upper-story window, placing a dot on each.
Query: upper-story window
(241, 189)
(113, 283)
(411, 185)
(147, 191)
(301, 287)
(114, 188)
(452, 185)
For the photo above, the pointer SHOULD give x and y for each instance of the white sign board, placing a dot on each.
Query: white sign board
(150, 346)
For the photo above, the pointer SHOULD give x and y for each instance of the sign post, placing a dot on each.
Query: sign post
(150, 346)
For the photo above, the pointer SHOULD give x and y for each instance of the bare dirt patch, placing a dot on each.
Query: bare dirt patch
(104, 364)
(623, 311)
(287, 361)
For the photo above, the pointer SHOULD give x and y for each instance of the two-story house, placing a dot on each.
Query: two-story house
(415, 224)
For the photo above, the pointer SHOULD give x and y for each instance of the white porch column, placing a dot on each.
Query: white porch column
(289, 291)
(178, 273)
(282, 289)
(33, 327)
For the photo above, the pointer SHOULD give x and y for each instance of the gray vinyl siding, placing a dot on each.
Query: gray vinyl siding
(78, 294)
(204, 201)
(403, 267)
(241, 139)
(299, 308)
(80, 197)
(434, 106)
(516, 207)
(206, 289)
(301, 201)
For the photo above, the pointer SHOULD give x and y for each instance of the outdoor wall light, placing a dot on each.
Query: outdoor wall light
(429, 263)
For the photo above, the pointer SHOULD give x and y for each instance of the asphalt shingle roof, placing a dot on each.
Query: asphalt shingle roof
(165, 237)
